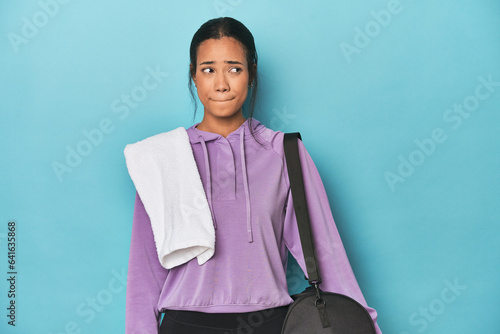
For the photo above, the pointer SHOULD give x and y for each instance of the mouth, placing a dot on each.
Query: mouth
(223, 100)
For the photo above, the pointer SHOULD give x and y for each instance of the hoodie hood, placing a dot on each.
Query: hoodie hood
(244, 136)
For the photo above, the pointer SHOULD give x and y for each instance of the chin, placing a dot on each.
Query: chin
(224, 112)
(225, 115)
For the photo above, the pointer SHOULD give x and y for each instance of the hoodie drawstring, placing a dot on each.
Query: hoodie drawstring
(245, 184)
(209, 181)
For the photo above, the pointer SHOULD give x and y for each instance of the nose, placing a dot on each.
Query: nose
(221, 84)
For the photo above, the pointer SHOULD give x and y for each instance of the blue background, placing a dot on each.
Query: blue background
(361, 86)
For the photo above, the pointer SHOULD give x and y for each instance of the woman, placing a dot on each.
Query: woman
(242, 288)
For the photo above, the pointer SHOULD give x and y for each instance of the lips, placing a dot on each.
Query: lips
(223, 100)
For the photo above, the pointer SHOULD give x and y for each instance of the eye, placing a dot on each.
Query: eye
(235, 69)
(207, 70)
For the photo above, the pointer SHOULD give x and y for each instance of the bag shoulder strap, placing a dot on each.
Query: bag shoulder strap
(294, 168)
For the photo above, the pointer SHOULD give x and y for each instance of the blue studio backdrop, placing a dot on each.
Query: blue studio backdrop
(397, 102)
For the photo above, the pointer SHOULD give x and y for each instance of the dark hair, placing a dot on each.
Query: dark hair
(216, 29)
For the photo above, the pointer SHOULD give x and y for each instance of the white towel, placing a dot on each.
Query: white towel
(166, 177)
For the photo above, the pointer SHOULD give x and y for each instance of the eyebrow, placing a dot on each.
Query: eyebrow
(225, 61)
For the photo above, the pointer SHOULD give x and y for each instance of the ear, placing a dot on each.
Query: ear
(191, 70)
(252, 71)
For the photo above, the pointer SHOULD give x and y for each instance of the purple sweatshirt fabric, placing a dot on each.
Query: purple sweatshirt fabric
(249, 196)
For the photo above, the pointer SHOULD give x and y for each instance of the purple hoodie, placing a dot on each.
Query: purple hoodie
(248, 193)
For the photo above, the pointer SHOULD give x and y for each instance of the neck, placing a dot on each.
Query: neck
(221, 125)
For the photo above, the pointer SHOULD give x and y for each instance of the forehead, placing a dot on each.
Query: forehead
(226, 48)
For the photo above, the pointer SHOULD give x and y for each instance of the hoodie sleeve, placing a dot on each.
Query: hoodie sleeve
(335, 269)
(145, 277)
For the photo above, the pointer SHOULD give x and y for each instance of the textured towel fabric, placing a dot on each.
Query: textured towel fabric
(167, 180)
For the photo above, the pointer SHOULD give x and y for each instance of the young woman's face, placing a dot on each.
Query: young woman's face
(221, 76)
